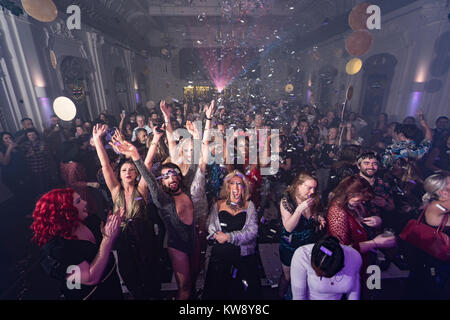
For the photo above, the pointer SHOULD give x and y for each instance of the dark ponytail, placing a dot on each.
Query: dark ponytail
(327, 256)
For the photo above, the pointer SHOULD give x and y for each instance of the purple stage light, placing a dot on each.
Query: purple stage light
(46, 106)
(414, 102)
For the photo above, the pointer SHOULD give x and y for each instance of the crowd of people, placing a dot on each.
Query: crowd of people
(344, 190)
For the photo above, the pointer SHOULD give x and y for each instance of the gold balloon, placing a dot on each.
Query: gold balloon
(53, 59)
(289, 88)
(41, 10)
(354, 66)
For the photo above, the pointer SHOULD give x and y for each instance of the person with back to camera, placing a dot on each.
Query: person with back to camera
(326, 271)
(69, 237)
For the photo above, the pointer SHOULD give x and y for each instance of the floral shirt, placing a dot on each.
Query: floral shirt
(405, 150)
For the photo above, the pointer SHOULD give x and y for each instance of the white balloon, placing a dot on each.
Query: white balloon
(64, 108)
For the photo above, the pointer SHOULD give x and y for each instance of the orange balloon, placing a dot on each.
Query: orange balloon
(359, 43)
(358, 17)
(41, 10)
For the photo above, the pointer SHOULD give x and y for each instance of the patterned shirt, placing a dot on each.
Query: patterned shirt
(37, 156)
(405, 150)
(381, 189)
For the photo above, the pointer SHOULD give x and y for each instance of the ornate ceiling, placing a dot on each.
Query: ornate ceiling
(143, 24)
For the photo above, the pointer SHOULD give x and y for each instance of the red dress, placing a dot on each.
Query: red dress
(344, 226)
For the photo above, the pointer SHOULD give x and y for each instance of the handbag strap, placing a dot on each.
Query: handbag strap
(104, 279)
(421, 217)
(444, 222)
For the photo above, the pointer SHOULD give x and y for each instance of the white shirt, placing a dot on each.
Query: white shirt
(146, 127)
(306, 285)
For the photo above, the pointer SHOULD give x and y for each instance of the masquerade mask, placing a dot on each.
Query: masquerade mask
(168, 174)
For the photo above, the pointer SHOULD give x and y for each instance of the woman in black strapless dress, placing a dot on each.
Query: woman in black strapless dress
(233, 265)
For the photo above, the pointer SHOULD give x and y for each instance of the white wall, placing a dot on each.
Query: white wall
(409, 34)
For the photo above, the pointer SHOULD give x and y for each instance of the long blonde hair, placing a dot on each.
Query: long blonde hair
(225, 191)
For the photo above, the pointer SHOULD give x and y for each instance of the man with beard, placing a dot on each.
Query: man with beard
(382, 206)
(383, 202)
(176, 210)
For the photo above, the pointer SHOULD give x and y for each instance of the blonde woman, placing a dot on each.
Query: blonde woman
(136, 245)
(232, 225)
(429, 278)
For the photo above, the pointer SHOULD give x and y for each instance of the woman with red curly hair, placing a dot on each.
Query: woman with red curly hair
(72, 240)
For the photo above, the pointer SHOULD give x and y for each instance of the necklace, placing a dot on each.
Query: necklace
(335, 279)
(234, 206)
(177, 193)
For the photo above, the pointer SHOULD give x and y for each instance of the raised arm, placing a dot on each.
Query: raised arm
(6, 158)
(424, 124)
(266, 155)
(348, 136)
(108, 172)
(157, 135)
(290, 221)
(122, 119)
(169, 130)
(207, 137)
(91, 274)
(185, 109)
(159, 197)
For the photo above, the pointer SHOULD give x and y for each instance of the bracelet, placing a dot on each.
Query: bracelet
(153, 144)
(208, 118)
